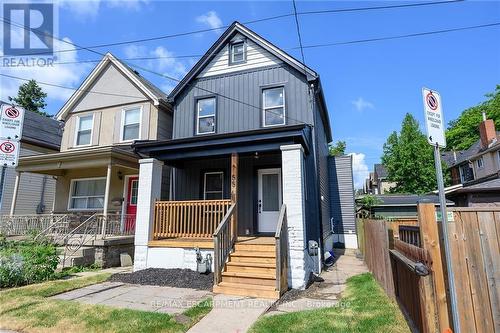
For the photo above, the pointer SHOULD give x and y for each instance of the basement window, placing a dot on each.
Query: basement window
(213, 185)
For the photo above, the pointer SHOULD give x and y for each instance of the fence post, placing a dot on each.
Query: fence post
(429, 236)
(427, 304)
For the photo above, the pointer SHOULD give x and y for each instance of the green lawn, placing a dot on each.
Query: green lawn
(365, 308)
(28, 309)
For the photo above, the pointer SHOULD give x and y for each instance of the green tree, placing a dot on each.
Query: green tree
(31, 97)
(463, 132)
(367, 203)
(338, 148)
(409, 160)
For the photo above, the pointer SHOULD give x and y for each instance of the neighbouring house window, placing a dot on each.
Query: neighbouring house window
(87, 193)
(205, 122)
(134, 188)
(213, 185)
(237, 52)
(466, 173)
(273, 106)
(479, 163)
(131, 127)
(498, 154)
(84, 130)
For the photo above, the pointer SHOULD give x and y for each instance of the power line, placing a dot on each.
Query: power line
(326, 11)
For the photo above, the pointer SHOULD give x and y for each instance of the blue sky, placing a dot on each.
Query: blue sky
(368, 86)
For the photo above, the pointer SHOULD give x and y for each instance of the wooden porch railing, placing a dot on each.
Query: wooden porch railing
(190, 219)
(281, 237)
(224, 238)
(410, 234)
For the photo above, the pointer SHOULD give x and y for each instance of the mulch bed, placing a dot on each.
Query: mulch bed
(179, 278)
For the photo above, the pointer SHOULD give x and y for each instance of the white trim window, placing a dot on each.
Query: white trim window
(273, 106)
(131, 124)
(237, 52)
(213, 185)
(205, 115)
(83, 133)
(480, 163)
(87, 194)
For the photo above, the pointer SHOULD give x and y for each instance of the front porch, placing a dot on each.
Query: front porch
(230, 198)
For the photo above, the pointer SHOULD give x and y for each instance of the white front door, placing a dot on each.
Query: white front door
(269, 199)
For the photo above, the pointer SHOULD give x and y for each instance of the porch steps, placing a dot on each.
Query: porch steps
(84, 256)
(251, 269)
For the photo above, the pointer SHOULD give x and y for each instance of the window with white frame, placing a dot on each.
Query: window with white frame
(87, 194)
(480, 162)
(213, 185)
(205, 118)
(237, 52)
(131, 126)
(273, 103)
(84, 130)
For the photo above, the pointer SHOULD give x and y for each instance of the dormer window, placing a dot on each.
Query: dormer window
(237, 53)
(480, 163)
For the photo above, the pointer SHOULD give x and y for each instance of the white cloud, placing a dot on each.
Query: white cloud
(166, 63)
(210, 19)
(84, 9)
(361, 104)
(359, 169)
(67, 75)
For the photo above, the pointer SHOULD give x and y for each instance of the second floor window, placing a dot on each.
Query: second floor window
(131, 127)
(84, 130)
(466, 173)
(273, 103)
(479, 163)
(205, 119)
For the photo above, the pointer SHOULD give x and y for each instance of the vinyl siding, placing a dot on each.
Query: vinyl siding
(256, 57)
(242, 110)
(30, 188)
(342, 205)
(322, 158)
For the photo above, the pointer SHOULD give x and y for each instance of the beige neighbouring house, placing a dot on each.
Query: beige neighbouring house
(96, 169)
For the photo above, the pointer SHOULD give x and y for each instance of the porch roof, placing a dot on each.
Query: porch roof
(261, 140)
(56, 163)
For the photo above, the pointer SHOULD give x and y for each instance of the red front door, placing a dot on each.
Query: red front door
(132, 189)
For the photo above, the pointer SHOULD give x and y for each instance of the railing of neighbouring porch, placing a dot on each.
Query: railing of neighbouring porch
(224, 238)
(20, 225)
(190, 219)
(281, 237)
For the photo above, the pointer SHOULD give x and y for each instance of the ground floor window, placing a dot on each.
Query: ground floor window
(87, 193)
(213, 185)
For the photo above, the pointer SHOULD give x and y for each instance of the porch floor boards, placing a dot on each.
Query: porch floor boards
(208, 243)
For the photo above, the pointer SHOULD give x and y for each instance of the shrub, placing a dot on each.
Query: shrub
(25, 262)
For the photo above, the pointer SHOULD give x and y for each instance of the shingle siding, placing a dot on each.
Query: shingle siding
(342, 206)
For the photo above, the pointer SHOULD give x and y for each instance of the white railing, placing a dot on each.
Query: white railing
(21, 225)
(116, 225)
(281, 237)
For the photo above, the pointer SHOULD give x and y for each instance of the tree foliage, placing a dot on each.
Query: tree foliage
(338, 149)
(463, 132)
(409, 160)
(31, 97)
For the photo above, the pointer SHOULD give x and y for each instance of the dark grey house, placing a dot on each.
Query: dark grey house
(41, 135)
(250, 129)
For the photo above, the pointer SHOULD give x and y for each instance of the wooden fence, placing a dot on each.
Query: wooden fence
(415, 273)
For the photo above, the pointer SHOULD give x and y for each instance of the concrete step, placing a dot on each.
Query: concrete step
(84, 251)
(251, 290)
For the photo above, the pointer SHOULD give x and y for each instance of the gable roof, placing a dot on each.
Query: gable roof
(146, 87)
(237, 27)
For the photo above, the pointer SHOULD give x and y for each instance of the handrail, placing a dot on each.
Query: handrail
(224, 238)
(281, 237)
(52, 225)
(90, 230)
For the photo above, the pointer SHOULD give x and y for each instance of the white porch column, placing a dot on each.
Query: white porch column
(14, 195)
(106, 201)
(292, 164)
(149, 191)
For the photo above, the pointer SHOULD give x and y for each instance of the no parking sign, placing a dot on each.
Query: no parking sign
(9, 153)
(11, 122)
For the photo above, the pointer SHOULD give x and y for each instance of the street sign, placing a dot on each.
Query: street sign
(9, 152)
(434, 121)
(11, 122)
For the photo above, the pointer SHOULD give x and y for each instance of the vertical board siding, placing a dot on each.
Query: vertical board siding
(342, 206)
(244, 112)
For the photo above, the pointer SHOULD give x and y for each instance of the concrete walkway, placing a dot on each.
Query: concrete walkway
(232, 314)
(137, 297)
(326, 293)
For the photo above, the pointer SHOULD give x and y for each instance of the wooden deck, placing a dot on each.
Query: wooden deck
(207, 243)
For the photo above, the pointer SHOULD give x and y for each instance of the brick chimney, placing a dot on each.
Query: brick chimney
(487, 131)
